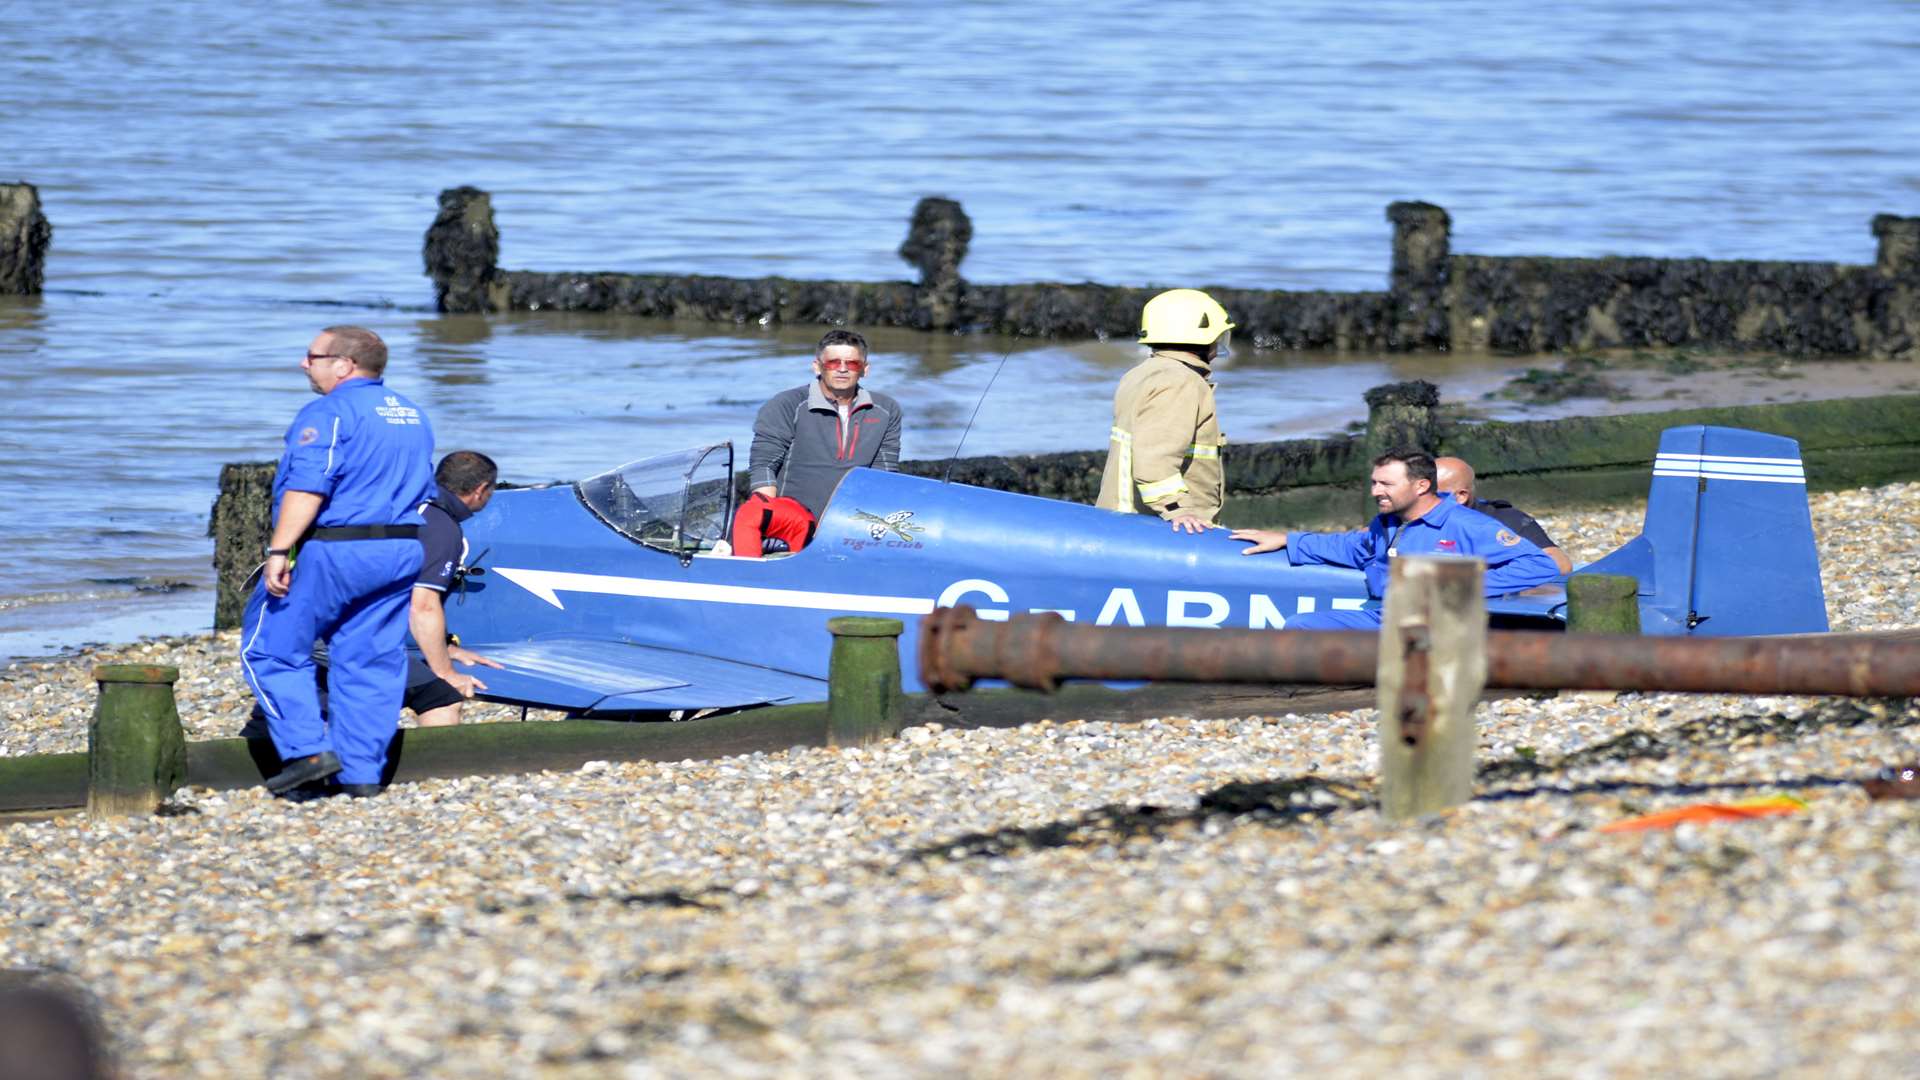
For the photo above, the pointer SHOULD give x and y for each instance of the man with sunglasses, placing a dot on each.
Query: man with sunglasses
(356, 467)
(805, 439)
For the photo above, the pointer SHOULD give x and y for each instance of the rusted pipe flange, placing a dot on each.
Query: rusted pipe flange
(1031, 657)
(938, 632)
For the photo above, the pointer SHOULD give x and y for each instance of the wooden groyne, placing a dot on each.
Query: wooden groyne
(40, 783)
(1306, 483)
(1435, 300)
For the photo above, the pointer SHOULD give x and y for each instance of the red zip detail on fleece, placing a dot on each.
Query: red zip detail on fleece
(855, 444)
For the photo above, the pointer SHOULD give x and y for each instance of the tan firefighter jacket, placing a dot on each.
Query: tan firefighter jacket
(1164, 456)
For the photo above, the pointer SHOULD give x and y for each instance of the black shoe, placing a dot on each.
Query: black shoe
(361, 791)
(308, 792)
(304, 770)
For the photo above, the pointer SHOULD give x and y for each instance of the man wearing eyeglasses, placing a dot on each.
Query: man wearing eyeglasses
(356, 467)
(805, 439)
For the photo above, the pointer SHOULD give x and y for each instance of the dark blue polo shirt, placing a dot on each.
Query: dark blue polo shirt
(443, 543)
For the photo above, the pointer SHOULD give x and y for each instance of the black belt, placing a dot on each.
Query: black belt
(366, 532)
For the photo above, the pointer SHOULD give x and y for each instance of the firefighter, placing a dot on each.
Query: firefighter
(1164, 457)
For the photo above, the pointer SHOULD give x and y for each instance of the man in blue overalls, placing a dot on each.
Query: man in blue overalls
(1412, 521)
(357, 466)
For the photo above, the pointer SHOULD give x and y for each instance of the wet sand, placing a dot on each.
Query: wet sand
(1608, 384)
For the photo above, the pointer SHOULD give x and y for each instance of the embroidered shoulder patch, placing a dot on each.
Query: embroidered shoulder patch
(307, 435)
(1506, 538)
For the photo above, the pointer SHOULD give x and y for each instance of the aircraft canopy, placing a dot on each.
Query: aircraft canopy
(680, 502)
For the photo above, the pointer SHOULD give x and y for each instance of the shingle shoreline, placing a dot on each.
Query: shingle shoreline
(1176, 897)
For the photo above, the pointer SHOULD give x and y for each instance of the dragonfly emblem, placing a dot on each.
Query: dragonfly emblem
(899, 523)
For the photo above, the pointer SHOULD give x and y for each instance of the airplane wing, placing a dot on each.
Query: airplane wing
(1537, 608)
(601, 676)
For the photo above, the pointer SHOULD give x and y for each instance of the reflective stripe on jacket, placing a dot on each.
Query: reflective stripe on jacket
(1163, 456)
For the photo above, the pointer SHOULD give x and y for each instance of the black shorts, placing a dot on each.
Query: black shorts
(427, 691)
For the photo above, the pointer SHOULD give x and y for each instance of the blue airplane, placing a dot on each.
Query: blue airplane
(615, 595)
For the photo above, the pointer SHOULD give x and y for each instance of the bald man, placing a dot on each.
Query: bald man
(1456, 479)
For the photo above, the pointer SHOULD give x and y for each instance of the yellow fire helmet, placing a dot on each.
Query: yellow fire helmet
(1183, 317)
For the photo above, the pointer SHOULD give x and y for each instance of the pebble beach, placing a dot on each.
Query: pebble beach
(1185, 896)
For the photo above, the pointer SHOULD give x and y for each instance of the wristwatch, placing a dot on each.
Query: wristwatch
(272, 551)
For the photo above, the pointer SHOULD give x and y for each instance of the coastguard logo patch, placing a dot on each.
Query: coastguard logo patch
(1506, 538)
(307, 435)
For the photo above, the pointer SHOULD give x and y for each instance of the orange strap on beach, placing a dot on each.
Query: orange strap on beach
(1769, 806)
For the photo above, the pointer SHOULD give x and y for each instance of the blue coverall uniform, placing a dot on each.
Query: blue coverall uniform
(1513, 563)
(369, 452)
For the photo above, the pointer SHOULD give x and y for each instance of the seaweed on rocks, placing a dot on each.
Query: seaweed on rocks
(1647, 744)
(1578, 377)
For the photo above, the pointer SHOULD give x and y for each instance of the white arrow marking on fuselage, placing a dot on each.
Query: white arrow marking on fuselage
(548, 584)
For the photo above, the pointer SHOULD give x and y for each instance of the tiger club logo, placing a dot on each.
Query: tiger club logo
(895, 530)
(899, 523)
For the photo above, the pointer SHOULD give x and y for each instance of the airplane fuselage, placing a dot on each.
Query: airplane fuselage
(888, 544)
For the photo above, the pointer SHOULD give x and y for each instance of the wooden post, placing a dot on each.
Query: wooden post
(24, 239)
(241, 522)
(1899, 255)
(1433, 665)
(136, 752)
(936, 244)
(462, 253)
(1417, 286)
(863, 680)
(1603, 604)
(1399, 415)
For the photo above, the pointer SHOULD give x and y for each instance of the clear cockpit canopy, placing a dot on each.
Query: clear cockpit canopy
(680, 503)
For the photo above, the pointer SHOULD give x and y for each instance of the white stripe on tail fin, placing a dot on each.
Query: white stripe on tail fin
(1727, 545)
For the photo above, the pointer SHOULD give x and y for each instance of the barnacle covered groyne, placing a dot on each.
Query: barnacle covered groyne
(1435, 300)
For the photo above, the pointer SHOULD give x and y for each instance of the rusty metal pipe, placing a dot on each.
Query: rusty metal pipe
(1844, 666)
(1037, 651)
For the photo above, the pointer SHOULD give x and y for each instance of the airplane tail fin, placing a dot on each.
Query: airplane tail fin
(1727, 544)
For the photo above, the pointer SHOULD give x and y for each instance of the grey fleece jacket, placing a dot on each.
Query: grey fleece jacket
(801, 446)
